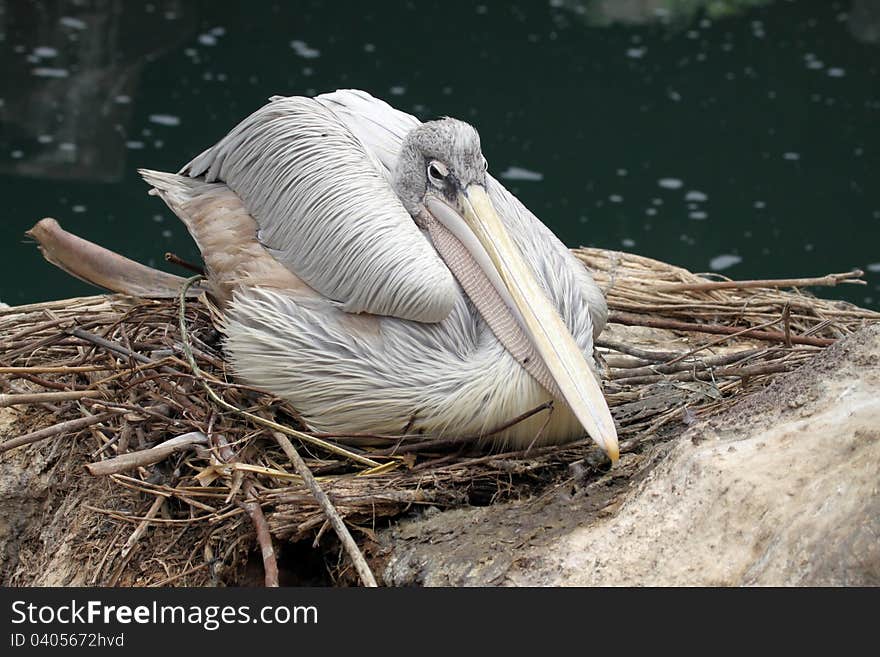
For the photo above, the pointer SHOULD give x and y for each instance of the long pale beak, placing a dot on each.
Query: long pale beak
(539, 319)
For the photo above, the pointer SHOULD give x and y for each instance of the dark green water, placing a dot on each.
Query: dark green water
(746, 143)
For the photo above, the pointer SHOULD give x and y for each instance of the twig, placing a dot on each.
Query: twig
(42, 397)
(830, 280)
(457, 440)
(132, 460)
(180, 575)
(659, 356)
(175, 259)
(54, 430)
(264, 537)
(252, 506)
(725, 338)
(38, 369)
(742, 372)
(632, 319)
(354, 553)
(786, 323)
(668, 368)
(136, 535)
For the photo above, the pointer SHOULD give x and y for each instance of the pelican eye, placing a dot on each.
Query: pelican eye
(437, 173)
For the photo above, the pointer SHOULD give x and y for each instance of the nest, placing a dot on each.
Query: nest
(199, 468)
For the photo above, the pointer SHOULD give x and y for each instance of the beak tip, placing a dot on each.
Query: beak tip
(613, 453)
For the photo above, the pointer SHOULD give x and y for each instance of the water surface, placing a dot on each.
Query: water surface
(737, 137)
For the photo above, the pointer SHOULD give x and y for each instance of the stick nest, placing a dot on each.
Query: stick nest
(678, 347)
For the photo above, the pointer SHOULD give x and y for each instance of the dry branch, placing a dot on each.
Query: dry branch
(43, 397)
(630, 319)
(351, 548)
(854, 276)
(70, 426)
(132, 460)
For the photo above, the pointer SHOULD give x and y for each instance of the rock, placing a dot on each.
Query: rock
(782, 488)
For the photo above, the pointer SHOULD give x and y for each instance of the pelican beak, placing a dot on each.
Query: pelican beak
(508, 272)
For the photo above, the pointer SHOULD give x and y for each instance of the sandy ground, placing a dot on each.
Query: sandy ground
(781, 489)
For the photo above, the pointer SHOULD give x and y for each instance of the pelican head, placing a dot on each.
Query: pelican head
(441, 180)
(439, 157)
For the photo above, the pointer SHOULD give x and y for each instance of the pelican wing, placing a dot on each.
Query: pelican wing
(381, 128)
(325, 209)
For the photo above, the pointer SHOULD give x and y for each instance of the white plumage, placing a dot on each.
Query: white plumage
(336, 297)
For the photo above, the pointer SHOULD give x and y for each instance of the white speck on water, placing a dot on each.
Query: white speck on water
(627, 242)
(218, 31)
(657, 201)
(673, 95)
(47, 72)
(207, 40)
(791, 155)
(698, 215)
(759, 205)
(72, 23)
(122, 99)
(16, 155)
(518, 173)
(622, 172)
(650, 211)
(836, 72)
(164, 119)
(191, 52)
(636, 53)
(78, 209)
(303, 49)
(615, 198)
(45, 52)
(670, 183)
(397, 90)
(873, 267)
(815, 64)
(167, 233)
(724, 261)
(369, 47)
(45, 139)
(808, 247)
(67, 146)
(158, 218)
(695, 196)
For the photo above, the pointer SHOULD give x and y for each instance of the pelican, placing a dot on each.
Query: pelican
(372, 272)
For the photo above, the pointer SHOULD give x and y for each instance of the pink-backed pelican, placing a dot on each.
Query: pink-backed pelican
(373, 273)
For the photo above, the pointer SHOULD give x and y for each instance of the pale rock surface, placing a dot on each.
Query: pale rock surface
(781, 489)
